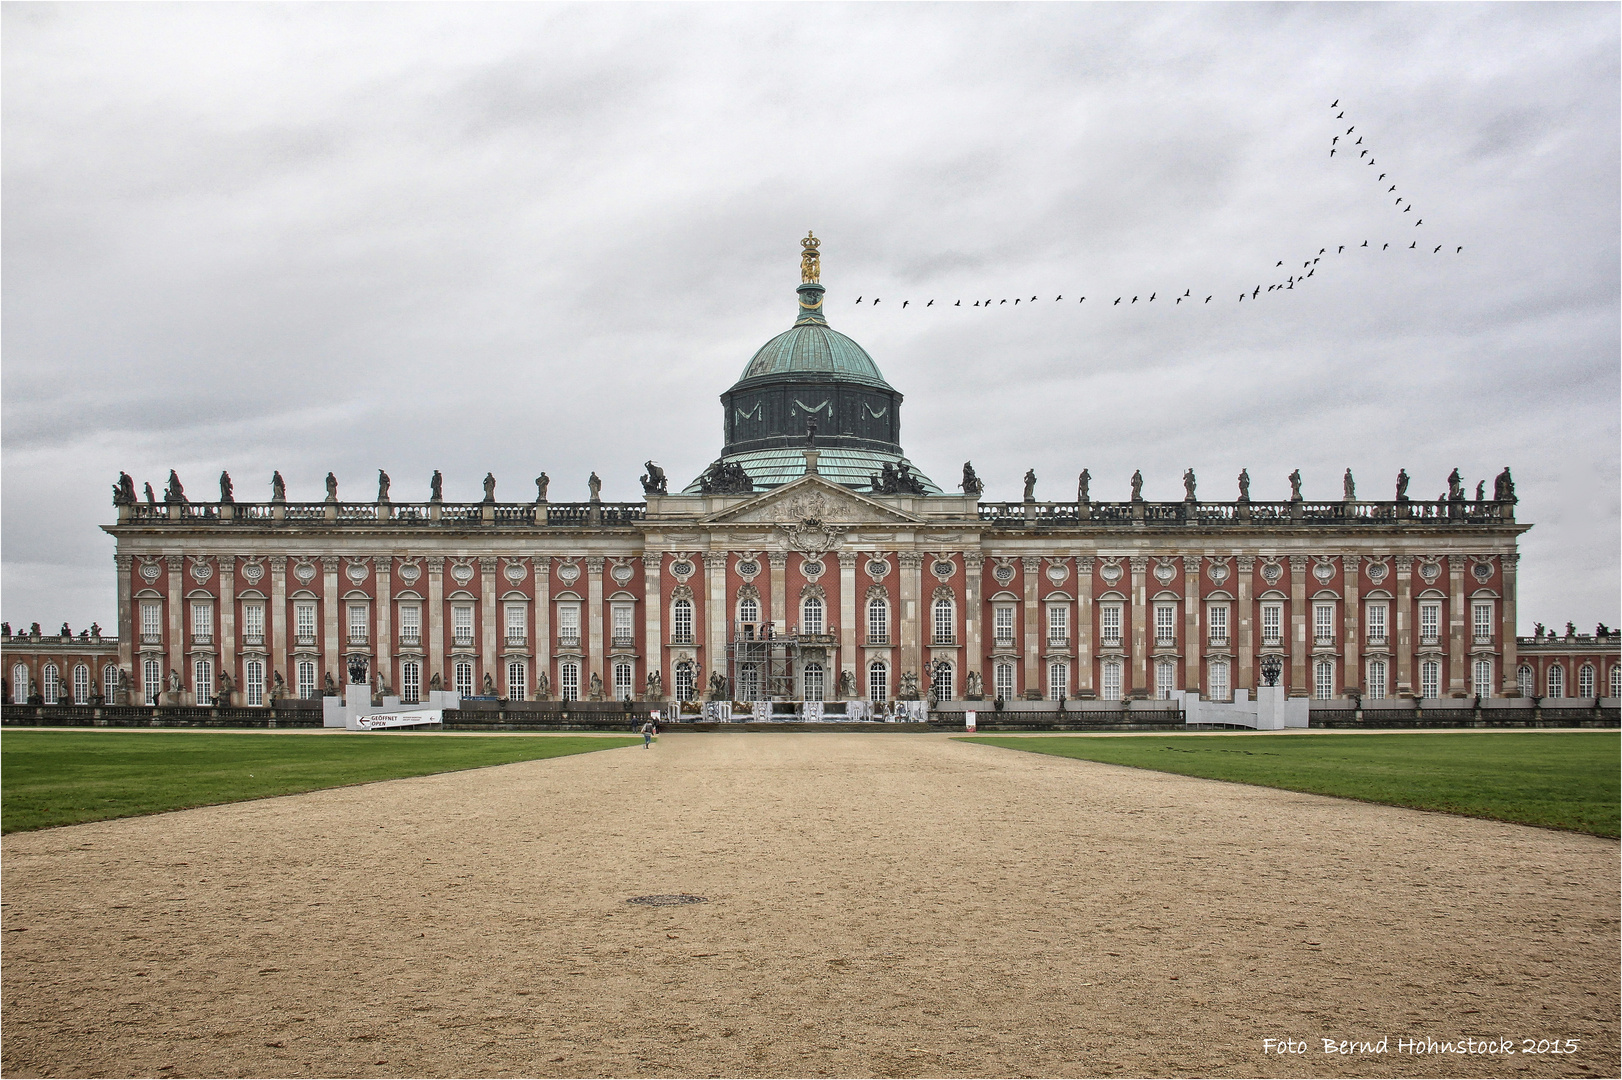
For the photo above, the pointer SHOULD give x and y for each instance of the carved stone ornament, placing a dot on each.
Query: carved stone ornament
(1110, 570)
(1323, 568)
(942, 567)
(1430, 568)
(1377, 570)
(1003, 571)
(357, 570)
(812, 568)
(201, 569)
(1272, 570)
(1058, 571)
(253, 571)
(515, 571)
(568, 572)
(748, 566)
(622, 573)
(1218, 571)
(151, 570)
(877, 569)
(682, 568)
(304, 571)
(410, 571)
(809, 536)
(462, 572)
(1165, 572)
(1482, 570)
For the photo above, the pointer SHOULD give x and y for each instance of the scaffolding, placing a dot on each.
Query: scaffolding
(765, 665)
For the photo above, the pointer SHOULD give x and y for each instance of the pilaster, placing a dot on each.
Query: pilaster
(1193, 643)
(1458, 648)
(1403, 619)
(1352, 621)
(910, 580)
(228, 625)
(1137, 667)
(175, 566)
(436, 618)
(1084, 628)
(1031, 577)
(653, 611)
(382, 576)
(974, 657)
(489, 605)
(594, 604)
(779, 613)
(127, 630)
(1244, 614)
(847, 615)
(1298, 626)
(543, 621)
(1510, 662)
(278, 624)
(714, 658)
(329, 622)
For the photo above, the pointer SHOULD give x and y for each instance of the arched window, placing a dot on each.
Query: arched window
(19, 684)
(1524, 679)
(681, 622)
(1585, 681)
(109, 683)
(749, 681)
(1217, 688)
(50, 683)
(878, 621)
(686, 681)
(945, 624)
(517, 680)
(941, 682)
(1557, 681)
(151, 681)
(1058, 681)
(749, 610)
(622, 682)
(81, 683)
(1430, 679)
(410, 682)
(1165, 679)
(1002, 681)
(878, 682)
(202, 681)
(811, 620)
(306, 679)
(811, 678)
(462, 678)
(1111, 683)
(1481, 678)
(569, 681)
(1616, 680)
(1376, 682)
(1323, 680)
(253, 682)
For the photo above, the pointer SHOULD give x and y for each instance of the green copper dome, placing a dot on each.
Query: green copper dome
(811, 348)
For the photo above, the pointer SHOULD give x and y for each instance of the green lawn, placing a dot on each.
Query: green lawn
(66, 777)
(1562, 780)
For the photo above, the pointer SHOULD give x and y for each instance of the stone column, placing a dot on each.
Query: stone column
(911, 582)
(974, 656)
(228, 625)
(278, 626)
(177, 620)
(330, 621)
(1458, 645)
(847, 614)
(594, 604)
(1403, 625)
(1352, 677)
(1031, 577)
(779, 599)
(436, 619)
(1084, 628)
(1509, 658)
(653, 610)
(1299, 619)
(543, 620)
(714, 657)
(1244, 620)
(1193, 643)
(382, 569)
(127, 629)
(489, 626)
(1137, 668)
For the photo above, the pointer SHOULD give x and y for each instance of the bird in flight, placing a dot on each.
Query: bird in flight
(1340, 249)
(1363, 153)
(1256, 293)
(1438, 248)
(1371, 162)
(1056, 299)
(1384, 246)
(1351, 129)
(875, 301)
(904, 304)
(1322, 250)
(1314, 270)
(1335, 140)
(1381, 178)
(958, 304)
(1335, 104)
(1365, 243)
(1117, 301)
(1331, 151)
(1392, 188)
(1004, 302)
(1179, 299)
(1208, 299)
(1033, 299)
(1188, 292)
(1460, 249)
(976, 303)
(1016, 301)
(1418, 223)
(1151, 298)
(1281, 262)
(858, 299)
(1134, 300)
(1341, 115)
(1413, 245)
(930, 304)
(1083, 300)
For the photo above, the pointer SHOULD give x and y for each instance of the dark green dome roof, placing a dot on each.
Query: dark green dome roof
(813, 349)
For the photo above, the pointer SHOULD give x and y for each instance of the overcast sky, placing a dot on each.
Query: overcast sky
(515, 238)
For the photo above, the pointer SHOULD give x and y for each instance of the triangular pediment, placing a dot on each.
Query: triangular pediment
(811, 498)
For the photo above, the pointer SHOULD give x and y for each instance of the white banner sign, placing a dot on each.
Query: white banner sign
(968, 719)
(399, 719)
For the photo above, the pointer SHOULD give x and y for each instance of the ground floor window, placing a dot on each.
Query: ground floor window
(109, 683)
(1585, 681)
(1217, 686)
(622, 682)
(1111, 683)
(51, 678)
(1165, 679)
(1557, 681)
(1616, 680)
(569, 681)
(306, 679)
(1058, 681)
(462, 678)
(253, 682)
(686, 682)
(202, 681)
(1002, 678)
(81, 683)
(410, 682)
(517, 680)
(941, 682)
(1376, 681)
(1523, 680)
(811, 680)
(1323, 680)
(19, 684)
(1430, 679)
(1481, 677)
(878, 682)
(749, 682)
(151, 681)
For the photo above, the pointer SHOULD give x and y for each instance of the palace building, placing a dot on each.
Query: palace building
(812, 561)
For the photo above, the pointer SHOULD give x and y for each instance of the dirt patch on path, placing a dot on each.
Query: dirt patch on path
(903, 906)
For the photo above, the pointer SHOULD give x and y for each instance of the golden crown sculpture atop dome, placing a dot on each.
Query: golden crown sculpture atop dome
(810, 261)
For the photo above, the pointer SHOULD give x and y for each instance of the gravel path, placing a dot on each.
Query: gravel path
(878, 906)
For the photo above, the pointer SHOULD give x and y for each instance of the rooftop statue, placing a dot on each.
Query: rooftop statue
(489, 487)
(810, 261)
(905, 482)
(1244, 485)
(1030, 485)
(278, 487)
(1455, 486)
(725, 478)
(1137, 485)
(653, 481)
(1402, 485)
(332, 488)
(150, 497)
(174, 493)
(972, 484)
(382, 486)
(1481, 490)
(541, 483)
(1295, 485)
(1503, 488)
(436, 487)
(1188, 484)
(1348, 486)
(226, 488)
(124, 490)
(596, 486)
(811, 431)
(1083, 484)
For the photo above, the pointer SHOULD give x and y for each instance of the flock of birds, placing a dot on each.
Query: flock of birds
(1341, 144)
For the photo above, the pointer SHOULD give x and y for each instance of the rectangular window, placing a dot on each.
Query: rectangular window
(410, 625)
(945, 622)
(1481, 676)
(1481, 623)
(410, 682)
(1165, 680)
(1109, 618)
(1323, 624)
(151, 622)
(1058, 681)
(462, 624)
(253, 624)
(203, 681)
(1430, 679)
(1376, 624)
(253, 682)
(304, 624)
(878, 623)
(464, 678)
(1002, 624)
(517, 623)
(151, 681)
(681, 623)
(569, 682)
(1430, 622)
(202, 623)
(1003, 681)
(1166, 624)
(1273, 624)
(811, 618)
(517, 680)
(1376, 687)
(812, 682)
(878, 682)
(1058, 624)
(1323, 680)
(624, 620)
(622, 682)
(358, 629)
(686, 681)
(1216, 617)
(1111, 690)
(1219, 690)
(306, 679)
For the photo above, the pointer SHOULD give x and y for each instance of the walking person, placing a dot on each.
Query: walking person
(647, 734)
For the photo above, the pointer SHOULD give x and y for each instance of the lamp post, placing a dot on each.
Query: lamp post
(1271, 667)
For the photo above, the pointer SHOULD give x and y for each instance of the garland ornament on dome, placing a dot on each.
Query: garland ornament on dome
(810, 261)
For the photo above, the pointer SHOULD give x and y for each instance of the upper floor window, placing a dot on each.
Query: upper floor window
(517, 624)
(569, 625)
(1058, 624)
(1109, 621)
(1272, 623)
(253, 624)
(462, 625)
(681, 624)
(1481, 623)
(1002, 624)
(945, 623)
(624, 616)
(304, 623)
(1323, 624)
(1430, 622)
(878, 623)
(357, 624)
(410, 624)
(1166, 624)
(1376, 617)
(811, 616)
(749, 611)
(151, 622)
(202, 623)
(1217, 616)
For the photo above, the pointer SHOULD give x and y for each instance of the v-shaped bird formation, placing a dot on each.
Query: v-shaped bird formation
(1349, 145)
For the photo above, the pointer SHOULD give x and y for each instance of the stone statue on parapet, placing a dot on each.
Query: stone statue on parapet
(656, 686)
(382, 486)
(357, 670)
(596, 687)
(332, 488)
(174, 493)
(725, 478)
(489, 487)
(278, 487)
(1348, 486)
(436, 683)
(1188, 485)
(1455, 487)
(976, 689)
(1295, 485)
(436, 487)
(595, 484)
(811, 431)
(541, 483)
(150, 497)
(1503, 487)
(1602, 631)
(1084, 483)
(174, 681)
(653, 481)
(972, 484)
(1244, 485)
(227, 490)
(1481, 491)
(278, 688)
(67, 631)
(489, 685)
(1030, 485)
(1137, 485)
(1571, 629)
(1402, 485)
(124, 490)
(543, 686)
(905, 482)
(227, 687)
